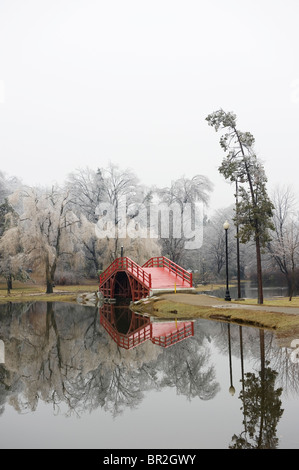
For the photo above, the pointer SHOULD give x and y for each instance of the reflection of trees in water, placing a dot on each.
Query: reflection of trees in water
(59, 353)
(288, 371)
(41, 341)
(262, 410)
(3, 388)
(10, 382)
(261, 391)
(187, 369)
(261, 406)
(119, 388)
(278, 357)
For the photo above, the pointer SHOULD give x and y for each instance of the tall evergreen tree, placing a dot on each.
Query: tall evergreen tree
(254, 208)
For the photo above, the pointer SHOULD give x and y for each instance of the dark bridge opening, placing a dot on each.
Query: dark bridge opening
(123, 319)
(122, 288)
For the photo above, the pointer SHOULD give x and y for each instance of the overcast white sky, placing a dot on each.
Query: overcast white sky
(85, 82)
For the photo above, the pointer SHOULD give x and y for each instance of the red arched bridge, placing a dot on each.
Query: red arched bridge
(126, 279)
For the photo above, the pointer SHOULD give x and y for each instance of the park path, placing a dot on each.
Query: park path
(204, 300)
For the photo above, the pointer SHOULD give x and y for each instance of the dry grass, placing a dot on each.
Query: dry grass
(25, 292)
(273, 302)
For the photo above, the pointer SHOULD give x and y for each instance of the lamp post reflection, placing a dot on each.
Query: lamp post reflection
(243, 379)
(231, 388)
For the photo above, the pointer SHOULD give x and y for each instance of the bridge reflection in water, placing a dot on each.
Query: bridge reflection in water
(129, 329)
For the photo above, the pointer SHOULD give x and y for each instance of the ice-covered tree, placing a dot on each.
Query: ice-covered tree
(284, 245)
(12, 258)
(112, 189)
(46, 224)
(85, 187)
(11, 255)
(182, 192)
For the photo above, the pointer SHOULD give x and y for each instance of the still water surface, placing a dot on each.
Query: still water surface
(76, 377)
(249, 291)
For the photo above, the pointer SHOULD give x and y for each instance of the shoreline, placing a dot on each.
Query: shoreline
(65, 294)
(282, 319)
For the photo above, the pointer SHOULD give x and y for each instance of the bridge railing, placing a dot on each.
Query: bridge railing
(127, 342)
(163, 262)
(171, 338)
(126, 264)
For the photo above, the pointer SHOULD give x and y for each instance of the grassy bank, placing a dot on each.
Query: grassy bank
(284, 324)
(37, 292)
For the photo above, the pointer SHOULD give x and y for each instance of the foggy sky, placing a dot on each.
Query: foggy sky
(86, 82)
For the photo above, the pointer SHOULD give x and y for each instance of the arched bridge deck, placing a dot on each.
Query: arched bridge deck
(126, 279)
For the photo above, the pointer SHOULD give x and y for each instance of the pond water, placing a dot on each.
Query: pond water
(249, 291)
(75, 377)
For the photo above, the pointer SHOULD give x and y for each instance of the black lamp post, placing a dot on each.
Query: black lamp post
(226, 227)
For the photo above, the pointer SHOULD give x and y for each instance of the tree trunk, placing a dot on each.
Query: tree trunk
(292, 281)
(49, 287)
(288, 278)
(8, 283)
(259, 271)
(49, 279)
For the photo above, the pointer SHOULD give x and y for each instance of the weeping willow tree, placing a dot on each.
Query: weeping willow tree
(254, 209)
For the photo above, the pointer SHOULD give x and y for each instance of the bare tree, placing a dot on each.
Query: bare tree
(90, 193)
(86, 191)
(284, 246)
(120, 188)
(181, 192)
(214, 241)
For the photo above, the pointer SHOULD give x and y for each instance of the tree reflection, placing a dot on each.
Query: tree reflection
(261, 407)
(187, 369)
(3, 390)
(62, 355)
